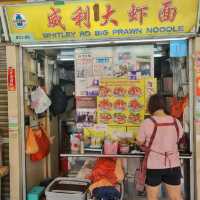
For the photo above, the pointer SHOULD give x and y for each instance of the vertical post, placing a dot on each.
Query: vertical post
(15, 95)
(196, 121)
(47, 124)
(191, 118)
(23, 168)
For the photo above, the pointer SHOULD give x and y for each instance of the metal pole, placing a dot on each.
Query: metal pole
(191, 106)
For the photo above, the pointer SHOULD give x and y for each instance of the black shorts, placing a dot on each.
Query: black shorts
(171, 176)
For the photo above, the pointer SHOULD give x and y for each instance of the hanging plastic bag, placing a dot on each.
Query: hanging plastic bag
(40, 102)
(178, 103)
(31, 144)
(140, 175)
(43, 143)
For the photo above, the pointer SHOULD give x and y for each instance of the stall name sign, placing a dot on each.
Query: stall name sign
(100, 20)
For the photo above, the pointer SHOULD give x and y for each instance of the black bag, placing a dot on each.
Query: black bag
(58, 100)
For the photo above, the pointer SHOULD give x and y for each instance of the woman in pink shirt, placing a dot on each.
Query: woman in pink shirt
(163, 164)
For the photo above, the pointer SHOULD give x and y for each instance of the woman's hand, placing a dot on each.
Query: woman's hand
(139, 143)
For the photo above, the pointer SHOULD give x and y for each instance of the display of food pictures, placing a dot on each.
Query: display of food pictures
(119, 91)
(105, 105)
(105, 118)
(135, 106)
(104, 91)
(121, 102)
(119, 105)
(134, 118)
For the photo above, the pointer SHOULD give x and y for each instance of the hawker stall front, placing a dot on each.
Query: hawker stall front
(82, 74)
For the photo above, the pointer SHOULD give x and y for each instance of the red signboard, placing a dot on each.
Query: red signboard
(11, 79)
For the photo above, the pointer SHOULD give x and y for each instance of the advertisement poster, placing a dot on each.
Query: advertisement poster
(121, 102)
(87, 86)
(86, 102)
(144, 62)
(124, 61)
(85, 117)
(83, 63)
(134, 62)
(102, 61)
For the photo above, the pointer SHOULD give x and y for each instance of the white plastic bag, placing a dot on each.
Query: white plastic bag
(39, 100)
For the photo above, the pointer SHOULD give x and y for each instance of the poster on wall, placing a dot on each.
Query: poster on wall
(87, 86)
(121, 102)
(86, 102)
(83, 63)
(85, 117)
(102, 61)
(124, 61)
(134, 62)
(144, 61)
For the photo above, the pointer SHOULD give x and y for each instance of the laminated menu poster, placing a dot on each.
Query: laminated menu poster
(102, 61)
(121, 102)
(83, 63)
(87, 86)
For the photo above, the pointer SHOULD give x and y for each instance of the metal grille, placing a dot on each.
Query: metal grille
(5, 181)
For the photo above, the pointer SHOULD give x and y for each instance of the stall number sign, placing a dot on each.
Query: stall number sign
(178, 48)
(11, 79)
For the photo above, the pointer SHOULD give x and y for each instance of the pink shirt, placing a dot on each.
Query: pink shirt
(165, 141)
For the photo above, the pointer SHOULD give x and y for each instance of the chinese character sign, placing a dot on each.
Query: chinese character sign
(100, 20)
(11, 79)
(137, 13)
(167, 12)
(54, 18)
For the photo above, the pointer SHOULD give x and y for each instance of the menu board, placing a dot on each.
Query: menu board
(121, 102)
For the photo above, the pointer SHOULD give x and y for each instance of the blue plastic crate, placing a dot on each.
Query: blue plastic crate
(35, 193)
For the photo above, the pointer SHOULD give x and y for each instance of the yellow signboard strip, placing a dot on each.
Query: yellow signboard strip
(99, 20)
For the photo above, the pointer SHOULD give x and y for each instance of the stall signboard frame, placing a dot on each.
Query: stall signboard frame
(78, 21)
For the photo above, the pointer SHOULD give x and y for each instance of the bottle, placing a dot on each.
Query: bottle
(82, 147)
